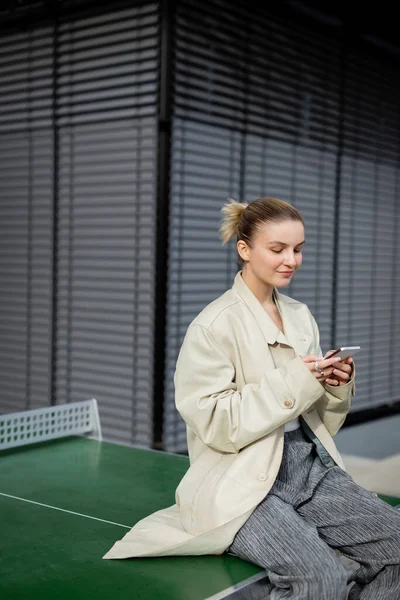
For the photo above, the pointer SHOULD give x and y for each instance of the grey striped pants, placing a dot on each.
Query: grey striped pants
(311, 511)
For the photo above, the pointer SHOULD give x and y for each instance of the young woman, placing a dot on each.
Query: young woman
(261, 404)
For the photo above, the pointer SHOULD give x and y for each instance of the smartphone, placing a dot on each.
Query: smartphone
(345, 352)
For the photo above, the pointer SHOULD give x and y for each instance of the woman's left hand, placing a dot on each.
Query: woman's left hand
(341, 373)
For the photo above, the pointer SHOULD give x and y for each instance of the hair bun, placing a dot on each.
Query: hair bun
(232, 211)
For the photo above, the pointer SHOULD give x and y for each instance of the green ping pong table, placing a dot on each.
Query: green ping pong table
(63, 503)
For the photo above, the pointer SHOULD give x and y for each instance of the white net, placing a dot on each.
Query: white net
(39, 425)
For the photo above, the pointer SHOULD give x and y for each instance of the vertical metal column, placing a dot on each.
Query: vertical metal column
(29, 232)
(54, 301)
(165, 103)
(243, 136)
(338, 184)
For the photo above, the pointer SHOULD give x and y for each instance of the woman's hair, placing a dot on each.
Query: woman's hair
(242, 220)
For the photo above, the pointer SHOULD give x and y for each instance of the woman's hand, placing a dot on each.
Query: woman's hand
(341, 373)
(322, 368)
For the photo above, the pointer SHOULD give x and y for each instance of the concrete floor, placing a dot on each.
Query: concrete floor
(371, 454)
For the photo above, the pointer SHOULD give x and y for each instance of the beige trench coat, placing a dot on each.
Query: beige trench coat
(238, 380)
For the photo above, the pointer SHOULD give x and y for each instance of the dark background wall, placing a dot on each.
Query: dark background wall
(124, 129)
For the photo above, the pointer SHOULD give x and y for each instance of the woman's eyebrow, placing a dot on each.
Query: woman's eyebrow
(283, 243)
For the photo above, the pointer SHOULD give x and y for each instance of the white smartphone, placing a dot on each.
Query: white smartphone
(345, 352)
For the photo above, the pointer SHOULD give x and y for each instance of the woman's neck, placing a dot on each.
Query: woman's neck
(262, 291)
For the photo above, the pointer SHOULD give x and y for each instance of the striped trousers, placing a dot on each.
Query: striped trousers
(311, 511)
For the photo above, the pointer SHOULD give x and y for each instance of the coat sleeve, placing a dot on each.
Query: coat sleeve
(336, 401)
(225, 418)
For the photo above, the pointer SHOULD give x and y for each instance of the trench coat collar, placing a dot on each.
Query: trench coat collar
(292, 336)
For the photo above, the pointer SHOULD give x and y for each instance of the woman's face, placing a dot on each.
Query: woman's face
(276, 253)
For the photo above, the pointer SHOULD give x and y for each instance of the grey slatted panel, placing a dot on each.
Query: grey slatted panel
(108, 150)
(369, 278)
(293, 142)
(205, 172)
(395, 296)
(289, 92)
(305, 177)
(263, 83)
(25, 219)
(236, 68)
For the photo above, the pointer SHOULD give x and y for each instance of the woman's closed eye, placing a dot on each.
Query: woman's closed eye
(296, 251)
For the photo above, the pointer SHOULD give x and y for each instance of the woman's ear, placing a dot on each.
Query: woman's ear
(243, 250)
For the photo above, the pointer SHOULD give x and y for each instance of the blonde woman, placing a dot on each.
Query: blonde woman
(262, 405)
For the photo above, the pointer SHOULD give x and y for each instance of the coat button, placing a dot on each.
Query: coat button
(262, 476)
(288, 404)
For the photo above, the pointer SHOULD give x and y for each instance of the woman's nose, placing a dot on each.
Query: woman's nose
(290, 259)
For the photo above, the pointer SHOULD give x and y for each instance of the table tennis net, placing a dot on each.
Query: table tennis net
(42, 424)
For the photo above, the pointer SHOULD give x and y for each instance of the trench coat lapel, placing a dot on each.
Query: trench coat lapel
(270, 331)
(293, 336)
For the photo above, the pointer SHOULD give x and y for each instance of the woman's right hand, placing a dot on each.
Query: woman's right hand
(320, 367)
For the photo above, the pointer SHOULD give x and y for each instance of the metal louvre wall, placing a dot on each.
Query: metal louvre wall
(206, 168)
(305, 176)
(265, 102)
(278, 88)
(368, 311)
(106, 106)
(258, 73)
(249, 80)
(26, 180)
(78, 142)
(291, 106)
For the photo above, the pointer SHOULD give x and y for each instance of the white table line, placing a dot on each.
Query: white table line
(71, 512)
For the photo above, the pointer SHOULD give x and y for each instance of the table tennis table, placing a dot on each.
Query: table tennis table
(63, 503)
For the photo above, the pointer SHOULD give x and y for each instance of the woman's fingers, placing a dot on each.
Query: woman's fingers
(327, 372)
(333, 370)
(347, 361)
(328, 362)
(318, 375)
(311, 358)
(319, 367)
(341, 374)
(344, 367)
(323, 363)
